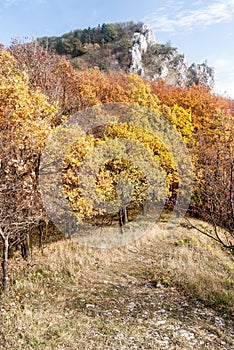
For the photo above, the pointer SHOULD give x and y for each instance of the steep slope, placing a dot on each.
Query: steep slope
(130, 47)
(157, 61)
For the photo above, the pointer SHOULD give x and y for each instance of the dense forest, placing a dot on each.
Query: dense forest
(40, 90)
(72, 42)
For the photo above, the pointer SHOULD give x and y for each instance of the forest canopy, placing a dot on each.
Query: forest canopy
(40, 91)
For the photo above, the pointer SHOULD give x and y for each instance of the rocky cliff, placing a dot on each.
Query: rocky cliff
(141, 42)
(157, 61)
(130, 47)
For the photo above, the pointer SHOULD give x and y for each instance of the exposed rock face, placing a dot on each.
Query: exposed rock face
(141, 42)
(156, 61)
(201, 74)
(129, 47)
(167, 64)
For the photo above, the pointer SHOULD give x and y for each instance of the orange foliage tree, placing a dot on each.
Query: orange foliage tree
(213, 157)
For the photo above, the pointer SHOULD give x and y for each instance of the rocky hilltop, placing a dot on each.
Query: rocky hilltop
(141, 42)
(157, 61)
(131, 47)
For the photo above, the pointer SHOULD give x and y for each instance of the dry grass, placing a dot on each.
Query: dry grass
(198, 264)
(63, 299)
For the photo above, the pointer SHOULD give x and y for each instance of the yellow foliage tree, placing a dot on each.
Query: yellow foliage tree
(26, 118)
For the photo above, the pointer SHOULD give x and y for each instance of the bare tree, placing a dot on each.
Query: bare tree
(19, 213)
(214, 197)
(20, 205)
(40, 65)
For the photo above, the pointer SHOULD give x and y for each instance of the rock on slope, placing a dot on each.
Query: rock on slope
(130, 47)
(157, 61)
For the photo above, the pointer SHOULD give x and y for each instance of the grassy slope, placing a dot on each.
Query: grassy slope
(170, 290)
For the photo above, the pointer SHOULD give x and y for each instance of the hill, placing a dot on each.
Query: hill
(129, 47)
(169, 289)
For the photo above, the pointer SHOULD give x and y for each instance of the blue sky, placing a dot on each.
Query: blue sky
(203, 30)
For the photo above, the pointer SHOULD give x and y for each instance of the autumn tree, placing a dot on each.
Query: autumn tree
(139, 147)
(206, 108)
(25, 122)
(82, 89)
(213, 198)
(39, 64)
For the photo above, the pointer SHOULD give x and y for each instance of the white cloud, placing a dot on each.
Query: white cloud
(222, 63)
(224, 75)
(9, 3)
(199, 2)
(175, 15)
(225, 87)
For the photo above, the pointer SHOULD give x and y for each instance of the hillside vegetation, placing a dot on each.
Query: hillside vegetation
(106, 46)
(128, 47)
(113, 152)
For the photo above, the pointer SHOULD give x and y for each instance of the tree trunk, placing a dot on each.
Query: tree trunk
(121, 221)
(41, 238)
(144, 209)
(125, 212)
(25, 246)
(4, 265)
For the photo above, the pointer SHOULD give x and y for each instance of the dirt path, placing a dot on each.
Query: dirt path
(128, 311)
(117, 300)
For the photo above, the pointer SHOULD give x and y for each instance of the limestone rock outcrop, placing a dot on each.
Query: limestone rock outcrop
(201, 74)
(128, 47)
(142, 40)
(157, 61)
